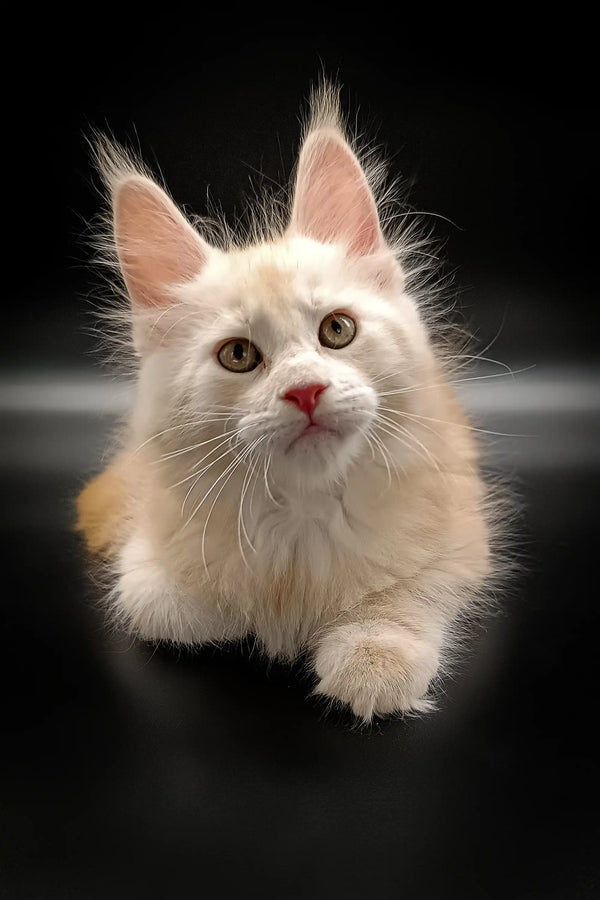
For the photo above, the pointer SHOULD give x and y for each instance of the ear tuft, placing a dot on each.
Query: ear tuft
(156, 246)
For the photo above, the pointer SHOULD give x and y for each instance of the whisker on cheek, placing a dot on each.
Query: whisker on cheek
(183, 426)
(428, 386)
(230, 471)
(424, 419)
(241, 522)
(174, 453)
(267, 465)
(404, 435)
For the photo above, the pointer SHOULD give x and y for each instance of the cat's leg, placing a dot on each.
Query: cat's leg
(380, 659)
(148, 603)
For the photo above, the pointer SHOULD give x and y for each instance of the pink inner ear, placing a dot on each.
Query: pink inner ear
(156, 246)
(333, 200)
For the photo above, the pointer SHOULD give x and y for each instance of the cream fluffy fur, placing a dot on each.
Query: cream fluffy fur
(360, 544)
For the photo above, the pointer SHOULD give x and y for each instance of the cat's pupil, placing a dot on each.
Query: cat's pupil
(336, 326)
(238, 351)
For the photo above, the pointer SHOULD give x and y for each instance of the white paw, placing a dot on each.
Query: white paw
(376, 668)
(147, 603)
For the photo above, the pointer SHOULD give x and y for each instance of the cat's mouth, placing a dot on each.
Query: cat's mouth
(314, 432)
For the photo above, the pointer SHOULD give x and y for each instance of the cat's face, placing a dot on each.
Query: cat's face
(284, 349)
(281, 348)
(289, 345)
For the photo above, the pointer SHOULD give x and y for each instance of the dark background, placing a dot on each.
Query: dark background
(132, 771)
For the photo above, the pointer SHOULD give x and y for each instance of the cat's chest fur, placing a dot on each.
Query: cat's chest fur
(285, 562)
(319, 532)
(310, 559)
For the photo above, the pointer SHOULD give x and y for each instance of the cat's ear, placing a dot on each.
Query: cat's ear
(156, 246)
(333, 202)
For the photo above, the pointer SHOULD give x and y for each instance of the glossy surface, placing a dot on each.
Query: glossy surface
(150, 766)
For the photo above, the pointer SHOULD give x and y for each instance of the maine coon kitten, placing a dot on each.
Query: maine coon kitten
(296, 465)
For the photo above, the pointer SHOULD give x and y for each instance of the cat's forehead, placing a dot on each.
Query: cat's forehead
(272, 286)
(288, 278)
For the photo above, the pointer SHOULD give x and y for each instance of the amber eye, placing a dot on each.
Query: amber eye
(239, 355)
(337, 330)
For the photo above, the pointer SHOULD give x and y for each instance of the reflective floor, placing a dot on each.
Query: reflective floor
(131, 771)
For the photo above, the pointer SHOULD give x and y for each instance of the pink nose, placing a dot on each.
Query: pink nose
(306, 398)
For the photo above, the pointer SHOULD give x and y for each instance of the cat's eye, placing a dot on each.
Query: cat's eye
(337, 330)
(239, 355)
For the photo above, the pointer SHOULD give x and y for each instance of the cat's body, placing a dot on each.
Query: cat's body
(296, 466)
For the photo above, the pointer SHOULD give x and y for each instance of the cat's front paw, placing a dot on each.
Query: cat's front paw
(376, 668)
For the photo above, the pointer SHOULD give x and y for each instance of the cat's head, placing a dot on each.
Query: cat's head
(284, 346)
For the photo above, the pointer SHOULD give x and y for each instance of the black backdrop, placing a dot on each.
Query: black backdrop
(490, 126)
(130, 772)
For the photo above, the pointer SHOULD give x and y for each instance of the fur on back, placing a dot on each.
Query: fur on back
(359, 534)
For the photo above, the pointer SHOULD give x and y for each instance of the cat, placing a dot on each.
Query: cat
(296, 466)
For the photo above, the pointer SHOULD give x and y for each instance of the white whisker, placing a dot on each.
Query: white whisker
(195, 423)
(373, 438)
(241, 523)
(267, 465)
(228, 436)
(417, 416)
(231, 468)
(387, 457)
(469, 359)
(426, 386)
(423, 425)
(365, 434)
(174, 453)
(387, 374)
(254, 486)
(196, 475)
(396, 430)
